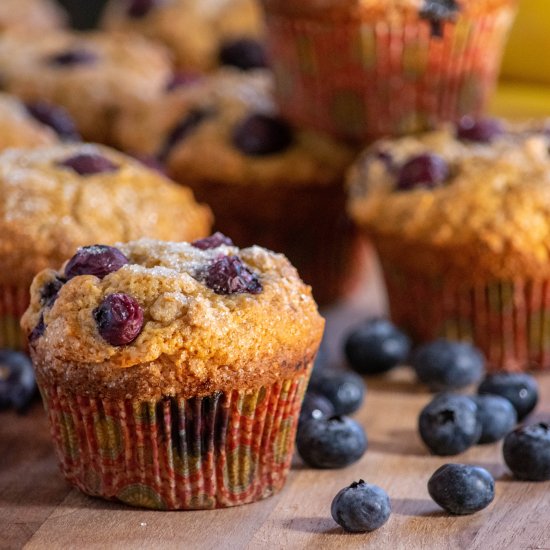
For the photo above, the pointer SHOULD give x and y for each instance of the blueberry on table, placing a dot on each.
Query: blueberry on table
(447, 365)
(315, 406)
(119, 319)
(526, 452)
(462, 489)
(361, 507)
(448, 425)
(97, 259)
(17, 382)
(376, 346)
(243, 53)
(345, 390)
(520, 389)
(426, 170)
(496, 416)
(482, 130)
(333, 442)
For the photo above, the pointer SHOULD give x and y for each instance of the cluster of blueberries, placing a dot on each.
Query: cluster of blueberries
(448, 425)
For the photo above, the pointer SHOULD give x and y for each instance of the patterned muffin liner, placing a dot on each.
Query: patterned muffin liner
(14, 300)
(366, 78)
(508, 320)
(199, 453)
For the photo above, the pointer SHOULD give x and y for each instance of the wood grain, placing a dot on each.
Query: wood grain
(38, 510)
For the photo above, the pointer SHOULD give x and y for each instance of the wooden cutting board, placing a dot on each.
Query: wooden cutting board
(38, 510)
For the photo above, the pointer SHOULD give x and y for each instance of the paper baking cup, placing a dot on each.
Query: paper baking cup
(14, 300)
(508, 320)
(363, 78)
(211, 452)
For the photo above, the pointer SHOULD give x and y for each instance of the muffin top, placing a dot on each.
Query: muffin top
(225, 128)
(54, 199)
(19, 128)
(480, 192)
(29, 15)
(198, 32)
(93, 75)
(163, 318)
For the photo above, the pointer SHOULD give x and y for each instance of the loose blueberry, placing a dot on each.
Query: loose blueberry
(87, 164)
(17, 383)
(376, 346)
(448, 425)
(243, 53)
(140, 8)
(119, 319)
(361, 507)
(496, 415)
(49, 292)
(260, 135)
(98, 260)
(78, 56)
(229, 275)
(526, 452)
(519, 388)
(57, 118)
(333, 442)
(462, 489)
(315, 406)
(345, 390)
(38, 330)
(183, 129)
(447, 365)
(213, 241)
(483, 130)
(427, 170)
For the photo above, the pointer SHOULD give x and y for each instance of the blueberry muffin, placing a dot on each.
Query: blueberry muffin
(265, 181)
(31, 15)
(92, 75)
(54, 199)
(460, 220)
(202, 34)
(173, 373)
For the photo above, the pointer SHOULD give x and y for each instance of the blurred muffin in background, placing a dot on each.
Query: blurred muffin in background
(265, 181)
(202, 34)
(31, 15)
(92, 75)
(56, 198)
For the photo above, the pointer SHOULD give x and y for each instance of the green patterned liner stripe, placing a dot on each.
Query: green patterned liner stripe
(222, 450)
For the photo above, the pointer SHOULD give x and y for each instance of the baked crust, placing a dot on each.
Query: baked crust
(47, 211)
(194, 342)
(31, 15)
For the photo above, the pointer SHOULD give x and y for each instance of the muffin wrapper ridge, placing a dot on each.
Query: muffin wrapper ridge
(199, 453)
(307, 224)
(508, 320)
(14, 300)
(368, 76)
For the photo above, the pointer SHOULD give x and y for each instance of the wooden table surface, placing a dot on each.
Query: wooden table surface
(39, 510)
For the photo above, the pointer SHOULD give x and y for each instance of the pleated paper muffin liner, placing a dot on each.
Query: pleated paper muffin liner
(508, 320)
(370, 76)
(199, 453)
(14, 300)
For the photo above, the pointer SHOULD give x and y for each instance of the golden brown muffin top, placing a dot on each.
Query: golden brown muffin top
(211, 111)
(193, 341)
(489, 218)
(93, 75)
(18, 128)
(31, 15)
(193, 29)
(47, 210)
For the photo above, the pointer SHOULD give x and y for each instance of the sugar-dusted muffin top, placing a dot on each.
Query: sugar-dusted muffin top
(225, 128)
(54, 199)
(480, 194)
(31, 15)
(201, 34)
(93, 75)
(163, 318)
